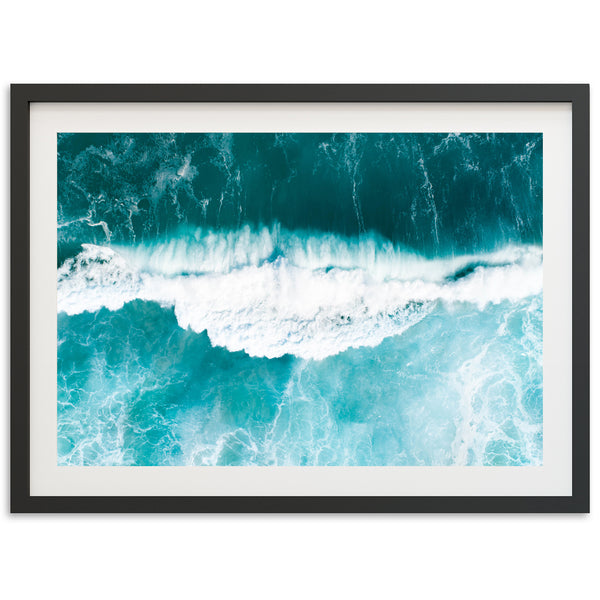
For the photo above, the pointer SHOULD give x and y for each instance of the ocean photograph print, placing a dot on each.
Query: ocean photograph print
(369, 299)
(292, 298)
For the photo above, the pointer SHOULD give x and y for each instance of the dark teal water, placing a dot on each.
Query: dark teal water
(300, 299)
(434, 193)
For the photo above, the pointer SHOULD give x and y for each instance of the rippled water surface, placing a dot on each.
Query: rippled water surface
(300, 299)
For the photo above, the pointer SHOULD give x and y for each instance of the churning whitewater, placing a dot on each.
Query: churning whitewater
(300, 299)
(275, 293)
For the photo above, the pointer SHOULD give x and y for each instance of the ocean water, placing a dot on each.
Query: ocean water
(300, 299)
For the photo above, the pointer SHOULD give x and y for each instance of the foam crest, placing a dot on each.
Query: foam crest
(310, 299)
(197, 251)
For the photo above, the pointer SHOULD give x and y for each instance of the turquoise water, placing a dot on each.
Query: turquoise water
(300, 299)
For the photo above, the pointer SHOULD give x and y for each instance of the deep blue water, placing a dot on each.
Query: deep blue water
(300, 299)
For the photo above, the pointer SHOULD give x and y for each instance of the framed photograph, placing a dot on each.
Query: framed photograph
(300, 298)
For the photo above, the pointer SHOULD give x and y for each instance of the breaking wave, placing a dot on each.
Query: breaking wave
(271, 292)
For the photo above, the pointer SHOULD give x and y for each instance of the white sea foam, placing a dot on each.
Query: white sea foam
(310, 297)
(206, 251)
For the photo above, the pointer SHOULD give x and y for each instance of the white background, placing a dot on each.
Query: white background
(174, 556)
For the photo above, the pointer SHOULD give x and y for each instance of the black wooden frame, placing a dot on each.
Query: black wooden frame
(24, 94)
